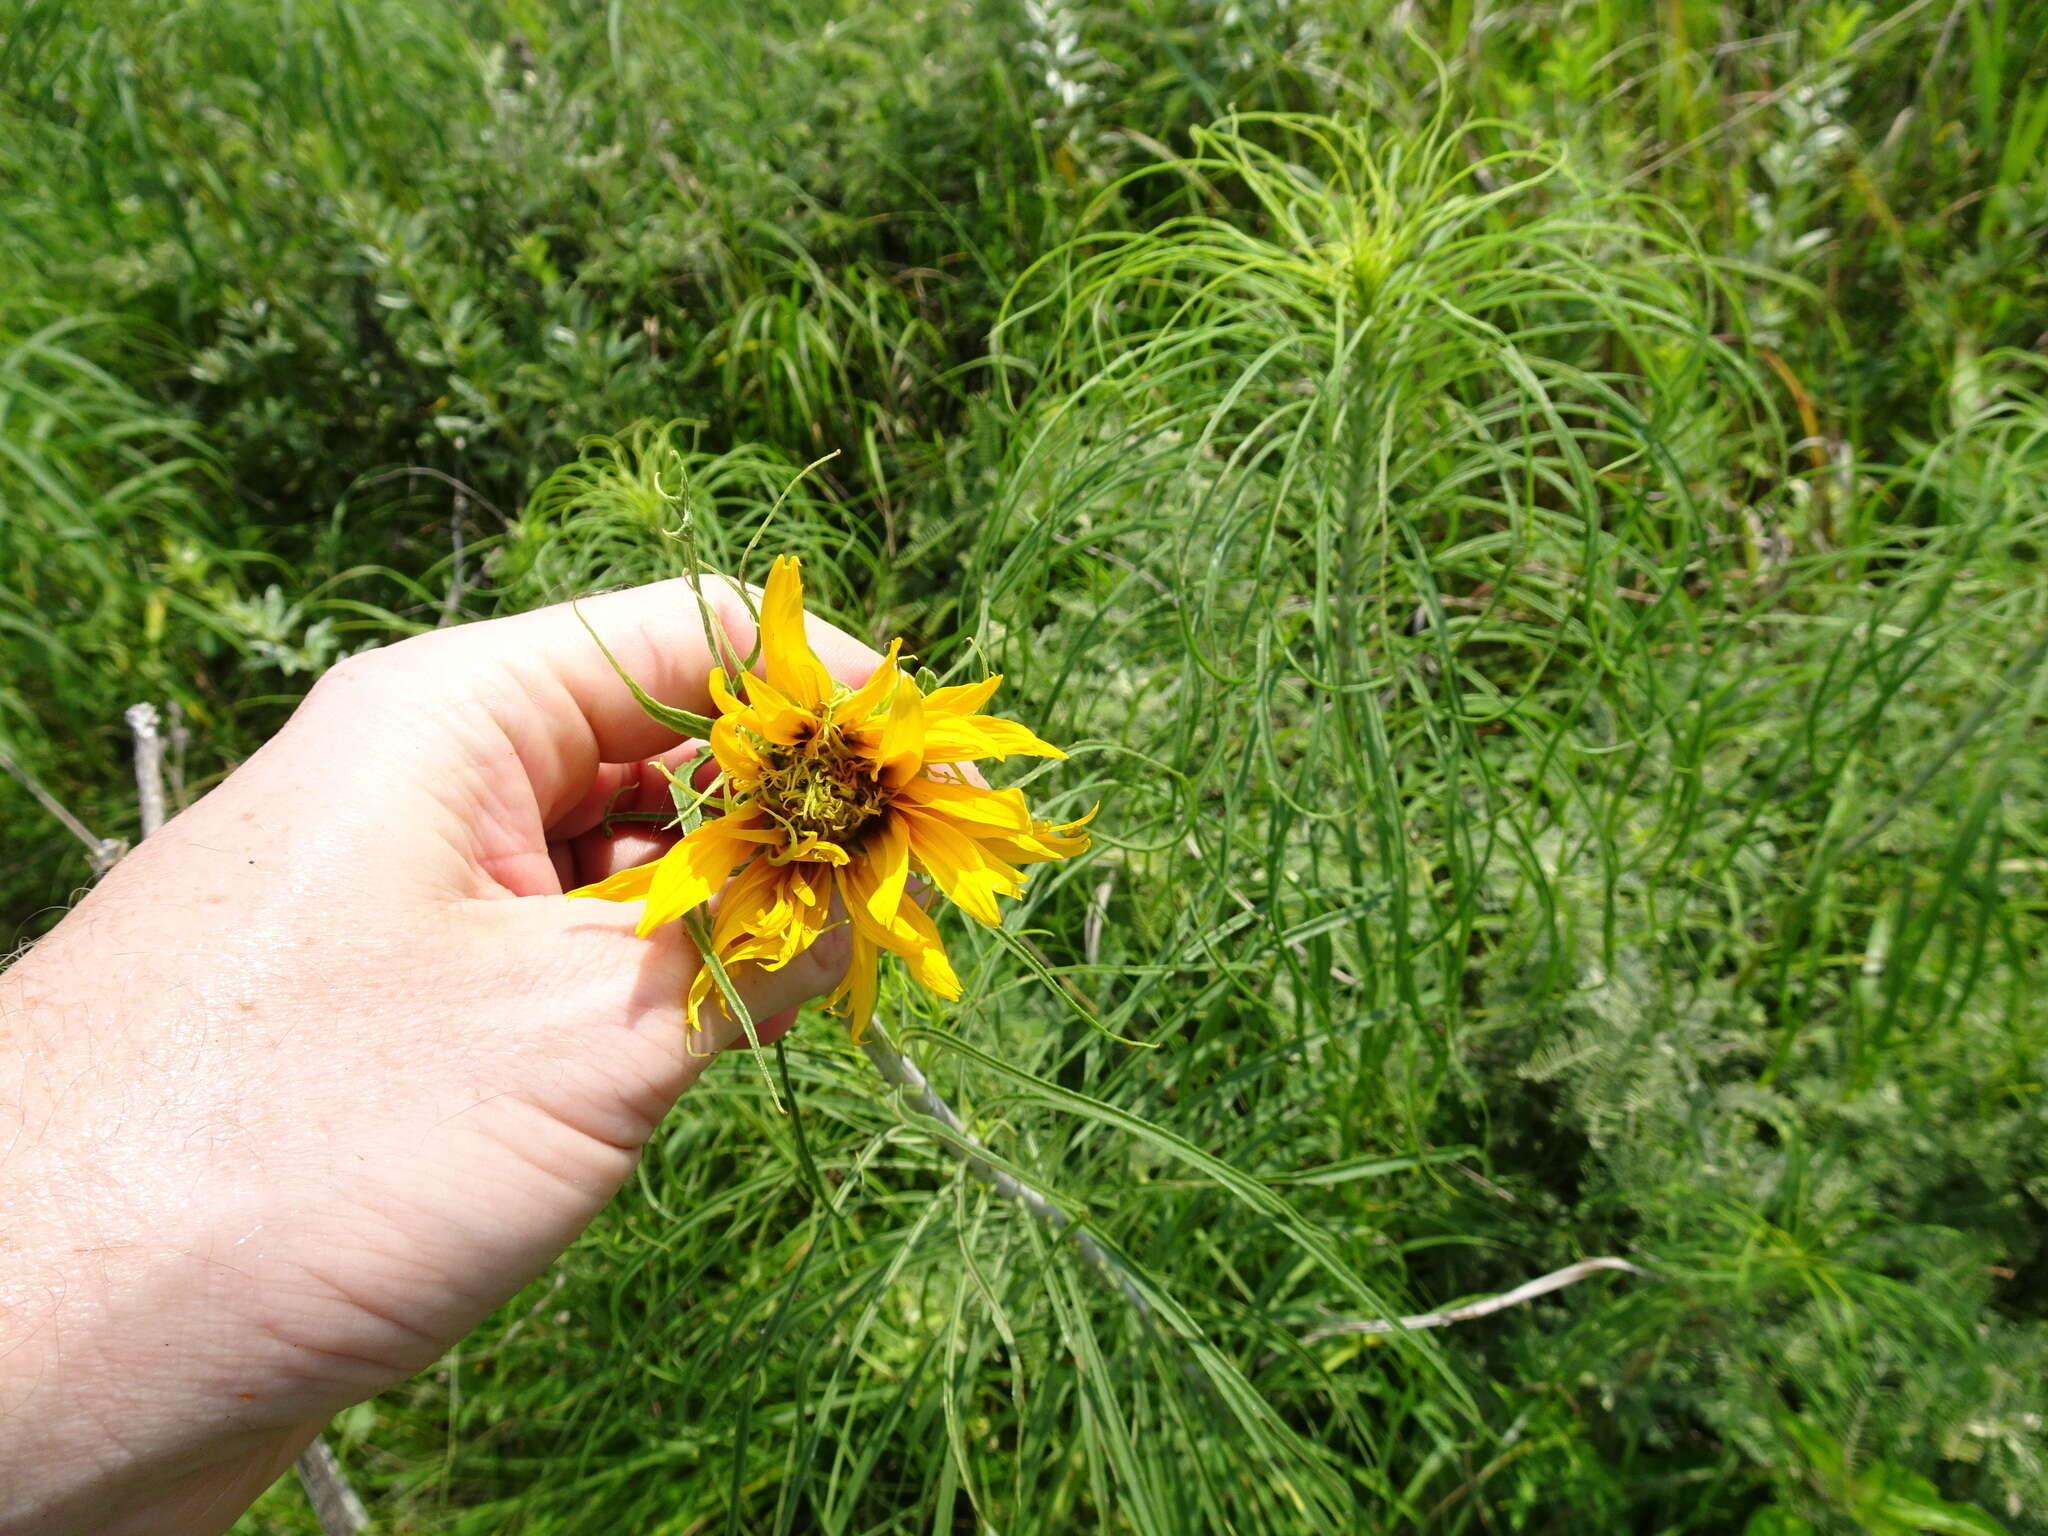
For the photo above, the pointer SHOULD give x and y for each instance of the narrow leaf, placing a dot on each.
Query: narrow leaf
(686, 721)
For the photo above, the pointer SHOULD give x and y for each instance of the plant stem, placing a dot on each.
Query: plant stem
(899, 1071)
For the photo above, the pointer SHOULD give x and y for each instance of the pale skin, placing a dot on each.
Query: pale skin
(329, 1068)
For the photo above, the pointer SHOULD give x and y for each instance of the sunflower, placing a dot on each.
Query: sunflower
(827, 791)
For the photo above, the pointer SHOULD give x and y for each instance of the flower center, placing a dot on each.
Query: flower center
(817, 790)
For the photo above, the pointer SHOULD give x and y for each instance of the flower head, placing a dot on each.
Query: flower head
(826, 791)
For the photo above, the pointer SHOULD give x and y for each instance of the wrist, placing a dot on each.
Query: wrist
(115, 1412)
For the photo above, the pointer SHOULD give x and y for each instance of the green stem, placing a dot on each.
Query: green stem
(899, 1071)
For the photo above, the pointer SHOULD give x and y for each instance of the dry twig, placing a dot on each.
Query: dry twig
(144, 724)
(103, 851)
(1556, 1280)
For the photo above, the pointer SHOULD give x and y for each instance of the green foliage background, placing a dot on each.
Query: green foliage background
(1532, 516)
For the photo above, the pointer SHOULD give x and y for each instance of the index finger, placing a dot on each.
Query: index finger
(663, 639)
(544, 682)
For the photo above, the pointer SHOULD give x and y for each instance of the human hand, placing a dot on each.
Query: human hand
(327, 1069)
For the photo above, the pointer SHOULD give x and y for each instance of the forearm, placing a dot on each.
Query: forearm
(117, 1408)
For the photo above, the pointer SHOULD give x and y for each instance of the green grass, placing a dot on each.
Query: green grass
(1532, 520)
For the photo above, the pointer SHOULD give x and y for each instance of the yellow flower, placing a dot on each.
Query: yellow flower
(831, 791)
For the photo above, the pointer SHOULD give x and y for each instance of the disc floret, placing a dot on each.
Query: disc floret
(817, 791)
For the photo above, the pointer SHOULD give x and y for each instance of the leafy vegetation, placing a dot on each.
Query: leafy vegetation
(1534, 518)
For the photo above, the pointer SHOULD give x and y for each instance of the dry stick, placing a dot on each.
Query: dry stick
(179, 736)
(1556, 1280)
(341, 1512)
(102, 850)
(334, 1501)
(143, 721)
(451, 605)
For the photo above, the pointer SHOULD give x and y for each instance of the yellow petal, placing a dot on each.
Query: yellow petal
(810, 849)
(874, 693)
(927, 961)
(980, 812)
(1043, 842)
(689, 872)
(626, 885)
(883, 869)
(735, 753)
(962, 698)
(958, 866)
(722, 695)
(959, 738)
(810, 889)
(699, 991)
(773, 913)
(899, 926)
(1041, 848)
(756, 903)
(855, 890)
(786, 653)
(775, 718)
(854, 997)
(905, 929)
(756, 951)
(900, 753)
